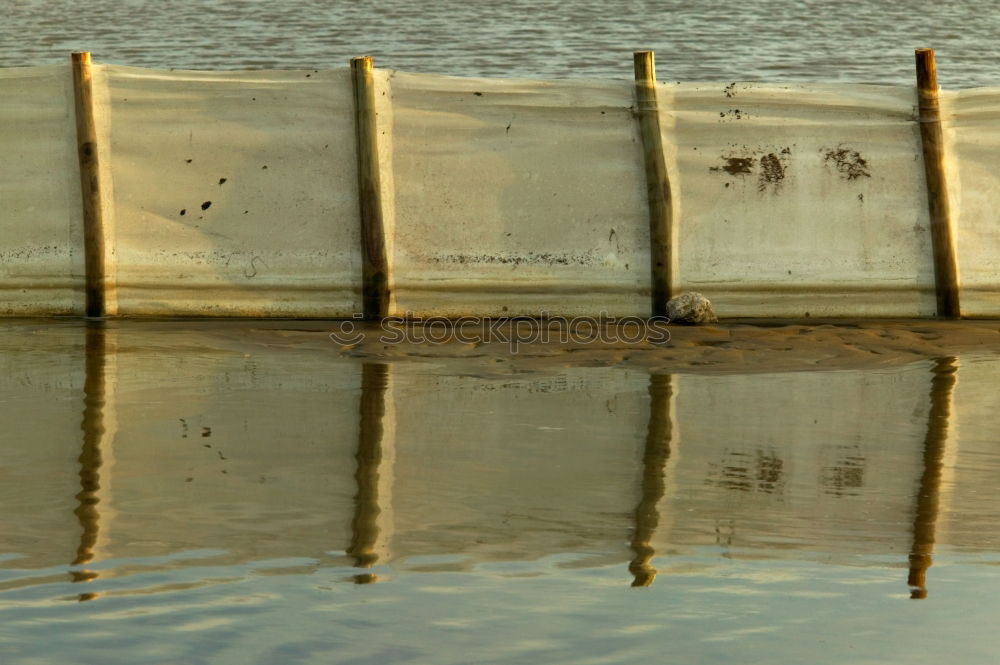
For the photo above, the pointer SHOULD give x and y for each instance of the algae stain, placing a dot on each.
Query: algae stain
(849, 163)
(736, 165)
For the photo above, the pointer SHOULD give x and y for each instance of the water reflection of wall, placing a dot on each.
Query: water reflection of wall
(241, 449)
(816, 461)
(41, 387)
(259, 452)
(205, 446)
(518, 467)
(971, 467)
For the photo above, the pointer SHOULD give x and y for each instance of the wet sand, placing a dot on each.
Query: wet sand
(732, 346)
(739, 346)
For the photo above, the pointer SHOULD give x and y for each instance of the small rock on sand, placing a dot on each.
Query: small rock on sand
(692, 308)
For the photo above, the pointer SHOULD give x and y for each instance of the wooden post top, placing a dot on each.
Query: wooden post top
(926, 69)
(645, 68)
(363, 62)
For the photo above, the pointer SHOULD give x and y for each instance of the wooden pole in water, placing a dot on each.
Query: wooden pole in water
(659, 436)
(90, 186)
(932, 140)
(374, 262)
(657, 182)
(364, 526)
(944, 378)
(91, 458)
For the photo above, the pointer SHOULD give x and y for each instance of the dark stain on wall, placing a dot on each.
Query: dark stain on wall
(849, 163)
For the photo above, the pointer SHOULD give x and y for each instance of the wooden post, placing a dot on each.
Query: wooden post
(90, 186)
(374, 262)
(932, 140)
(657, 183)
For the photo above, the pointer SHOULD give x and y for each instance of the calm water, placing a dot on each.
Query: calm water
(185, 493)
(694, 39)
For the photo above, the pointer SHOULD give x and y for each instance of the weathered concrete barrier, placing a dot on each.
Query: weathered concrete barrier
(237, 194)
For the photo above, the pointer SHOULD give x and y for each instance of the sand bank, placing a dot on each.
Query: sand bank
(731, 347)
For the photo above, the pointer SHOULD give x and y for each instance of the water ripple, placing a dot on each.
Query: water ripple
(764, 40)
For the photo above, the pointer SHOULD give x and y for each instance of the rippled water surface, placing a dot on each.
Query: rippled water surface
(694, 40)
(224, 493)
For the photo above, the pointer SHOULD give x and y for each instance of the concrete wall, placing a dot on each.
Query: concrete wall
(235, 194)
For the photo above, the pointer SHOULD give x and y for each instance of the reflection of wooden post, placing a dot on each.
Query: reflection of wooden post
(657, 183)
(364, 526)
(932, 141)
(90, 186)
(90, 456)
(935, 440)
(374, 261)
(659, 433)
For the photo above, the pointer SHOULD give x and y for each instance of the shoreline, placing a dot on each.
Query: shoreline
(733, 346)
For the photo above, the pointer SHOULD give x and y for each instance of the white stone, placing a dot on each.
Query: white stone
(691, 307)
